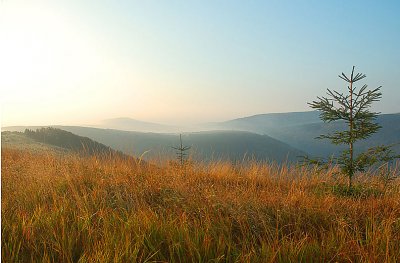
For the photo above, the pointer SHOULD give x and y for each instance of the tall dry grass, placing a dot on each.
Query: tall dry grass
(74, 209)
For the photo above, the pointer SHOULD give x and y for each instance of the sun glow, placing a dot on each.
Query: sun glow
(80, 62)
(46, 61)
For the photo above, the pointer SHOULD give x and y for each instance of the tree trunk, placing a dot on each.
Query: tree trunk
(351, 123)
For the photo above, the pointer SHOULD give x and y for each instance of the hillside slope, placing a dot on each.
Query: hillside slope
(269, 137)
(303, 136)
(206, 146)
(265, 123)
(299, 129)
(18, 140)
(57, 140)
(83, 210)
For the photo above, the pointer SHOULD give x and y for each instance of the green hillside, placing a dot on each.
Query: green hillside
(303, 136)
(206, 146)
(19, 140)
(299, 129)
(278, 136)
(57, 140)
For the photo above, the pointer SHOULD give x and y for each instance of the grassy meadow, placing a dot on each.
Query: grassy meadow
(58, 208)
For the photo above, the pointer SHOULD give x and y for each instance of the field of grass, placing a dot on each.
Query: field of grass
(76, 209)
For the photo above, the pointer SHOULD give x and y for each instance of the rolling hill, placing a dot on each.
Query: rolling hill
(206, 146)
(225, 145)
(275, 136)
(18, 140)
(299, 129)
(56, 140)
(266, 123)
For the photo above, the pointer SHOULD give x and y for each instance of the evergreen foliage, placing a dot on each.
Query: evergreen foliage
(353, 108)
(68, 140)
(181, 154)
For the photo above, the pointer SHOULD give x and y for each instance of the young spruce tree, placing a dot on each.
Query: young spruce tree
(181, 154)
(353, 107)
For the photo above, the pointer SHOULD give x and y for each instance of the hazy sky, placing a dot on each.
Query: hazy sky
(77, 62)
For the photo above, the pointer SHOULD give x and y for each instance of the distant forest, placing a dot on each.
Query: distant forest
(70, 141)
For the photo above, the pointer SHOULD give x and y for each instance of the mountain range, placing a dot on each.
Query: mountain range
(129, 124)
(275, 136)
(205, 146)
(299, 129)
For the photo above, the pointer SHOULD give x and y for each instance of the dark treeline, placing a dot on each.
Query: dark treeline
(68, 140)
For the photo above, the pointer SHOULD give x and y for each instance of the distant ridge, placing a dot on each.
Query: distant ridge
(299, 129)
(222, 145)
(292, 117)
(296, 130)
(264, 123)
(206, 146)
(129, 124)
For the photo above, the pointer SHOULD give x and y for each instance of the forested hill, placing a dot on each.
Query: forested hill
(70, 141)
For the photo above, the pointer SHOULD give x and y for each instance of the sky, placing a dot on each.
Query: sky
(185, 62)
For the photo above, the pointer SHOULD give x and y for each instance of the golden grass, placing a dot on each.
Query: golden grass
(74, 209)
